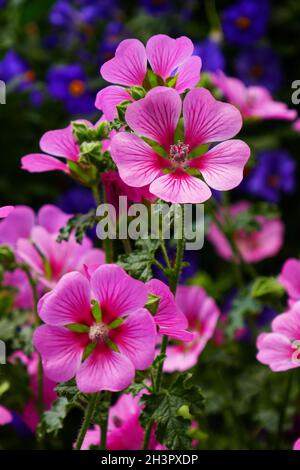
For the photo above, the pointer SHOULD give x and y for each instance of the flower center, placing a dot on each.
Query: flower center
(29, 76)
(273, 181)
(296, 354)
(257, 71)
(77, 88)
(179, 153)
(98, 333)
(243, 22)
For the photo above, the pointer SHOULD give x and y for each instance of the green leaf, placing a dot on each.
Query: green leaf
(96, 310)
(242, 306)
(9, 324)
(172, 411)
(138, 263)
(77, 327)
(79, 224)
(263, 287)
(52, 420)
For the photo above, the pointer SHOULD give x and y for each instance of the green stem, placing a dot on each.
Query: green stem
(104, 424)
(40, 374)
(86, 421)
(173, 282)
(212, 15)
(283, 410)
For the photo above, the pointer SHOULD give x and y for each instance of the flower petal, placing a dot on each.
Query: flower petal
(288, 323)
(208, 120)
(16, 225)
(108, 99)
(137, 162)
(61, 351)
(156, 116)
(188, 74)
(5, 416)
(117, 292)
(180, 187)
(222, 166)
(169, 318)
(40, 162)
(129, 65)
(165, 54)
(60, 143)
(136, 338)
(275, 350)
(68, 303)
(105, 369)
(290, 277)
(5, 211)
(52, 218)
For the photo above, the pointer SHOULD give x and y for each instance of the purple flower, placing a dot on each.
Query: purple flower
(76, 200)
(273, 175)
(259, 66)
(246, 21)
(211, 55)
(73, 14)
(156, 7)
(13, 67)
(113, 34)
(68, 83)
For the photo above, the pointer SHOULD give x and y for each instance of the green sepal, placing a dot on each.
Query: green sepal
(88, 350)
(96, 310)
(116, 323)
(77, 327)
(171, 81)
(121, 110)
(137, 92)
(112, 345)
(152, 303)
(152, 80)
(156, 147)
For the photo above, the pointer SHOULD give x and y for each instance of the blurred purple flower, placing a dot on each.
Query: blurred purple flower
(3, 3)
(68, 83)
(113, 34)
(246, 21)
(259, 66)
(76, 200)
(273, 175)
(13, 67)
(157, 7)
(73, 14)
(211, 55)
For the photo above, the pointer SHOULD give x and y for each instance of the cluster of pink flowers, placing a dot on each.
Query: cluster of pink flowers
(34, 241)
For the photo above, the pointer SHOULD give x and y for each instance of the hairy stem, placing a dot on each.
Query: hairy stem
(104, 423)
(86, 420)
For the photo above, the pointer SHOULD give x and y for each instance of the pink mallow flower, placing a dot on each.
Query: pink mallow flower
(97, 330)
(5, 416)
(50, 259)
(252, 101)
(170, 59)
(253, 246)
(280, 350)
(202, 314)
(172, 178)
(297, 445)
(296, 125)
(5, 211)
(124, 429)
(290, 279)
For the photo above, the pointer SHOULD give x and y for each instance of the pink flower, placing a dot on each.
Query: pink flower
(252, 101)
(5, 211)
(170, 320)
(280, 350)
(5, 416)
(253, 246)
(119, 333)
(206, 120)
(169, 59)
(124, 429)
(296, 125)
(297, 445)
(29, 414)
(49, 259)
(290, 279)
(115, 187)
(58, 143)
(202, 314)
